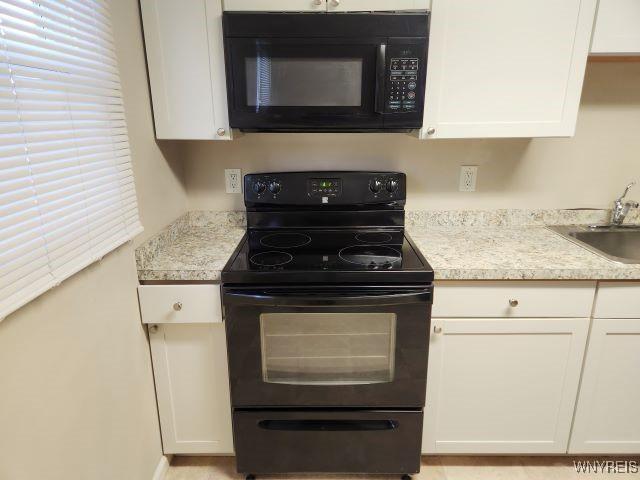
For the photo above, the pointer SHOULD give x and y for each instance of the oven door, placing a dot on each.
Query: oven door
(305, 83)
(327, 347)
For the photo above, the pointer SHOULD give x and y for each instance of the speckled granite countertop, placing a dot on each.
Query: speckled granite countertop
(195, 247)
(470, 245)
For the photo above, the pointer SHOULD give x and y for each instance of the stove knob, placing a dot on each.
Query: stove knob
(275, 187)
(392, 185)
(375, 185)
(259, 187)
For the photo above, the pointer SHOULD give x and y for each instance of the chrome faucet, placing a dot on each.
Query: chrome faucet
(621, 208)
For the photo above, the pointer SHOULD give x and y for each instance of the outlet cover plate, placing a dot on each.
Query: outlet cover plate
(233, 180)
(468, 178)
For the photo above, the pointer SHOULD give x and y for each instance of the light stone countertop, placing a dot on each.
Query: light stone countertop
(498, 245)
(512, 253)
(194, 247)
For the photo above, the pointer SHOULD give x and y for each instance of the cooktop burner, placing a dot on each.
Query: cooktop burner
(373, 237)
(372, 256)
(271, 259)
(285, 240)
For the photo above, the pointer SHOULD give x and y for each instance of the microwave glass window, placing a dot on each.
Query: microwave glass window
(328, 348)
(303, 82)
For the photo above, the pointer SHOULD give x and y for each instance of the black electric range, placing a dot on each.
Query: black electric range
(327, 308)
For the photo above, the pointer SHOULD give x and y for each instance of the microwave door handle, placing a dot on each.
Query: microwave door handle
(381, 65)
(258, 298)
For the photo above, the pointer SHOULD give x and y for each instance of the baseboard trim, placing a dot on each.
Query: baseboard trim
(161, 469)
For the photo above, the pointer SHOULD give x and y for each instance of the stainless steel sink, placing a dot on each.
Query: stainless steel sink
(620, 244)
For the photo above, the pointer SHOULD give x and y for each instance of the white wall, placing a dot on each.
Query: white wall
(77, 400)
(586, 171)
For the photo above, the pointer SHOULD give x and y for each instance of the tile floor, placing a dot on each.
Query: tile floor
(433, 468)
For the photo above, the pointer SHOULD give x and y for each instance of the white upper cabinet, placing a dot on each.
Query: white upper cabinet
(617, 29)
(324, 5)
(185, 57)
(275, 5)
(506, 69)
(376, 5)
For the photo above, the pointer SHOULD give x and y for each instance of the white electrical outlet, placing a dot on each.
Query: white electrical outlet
(233, 180)
(468, 178)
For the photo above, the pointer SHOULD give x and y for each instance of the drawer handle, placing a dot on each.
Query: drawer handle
(437, 329)
(153, 328)
(328, 425)
(177, 306)
(514, 303)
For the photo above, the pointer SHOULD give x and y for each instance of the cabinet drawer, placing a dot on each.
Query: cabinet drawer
(618, 300)
(180, 303)
(513, 299)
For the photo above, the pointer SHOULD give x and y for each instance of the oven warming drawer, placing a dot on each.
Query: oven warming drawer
(321, 441)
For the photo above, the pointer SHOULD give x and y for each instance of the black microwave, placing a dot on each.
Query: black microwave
(326, 72)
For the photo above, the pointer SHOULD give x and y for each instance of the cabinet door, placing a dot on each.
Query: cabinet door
(506, 69)
(377, 5)
(192, 387)
(275, 5)
(502, 386)
(608, 414)
(185, 59)
(617, 28)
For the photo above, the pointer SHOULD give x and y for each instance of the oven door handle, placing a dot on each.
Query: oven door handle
(265, 299)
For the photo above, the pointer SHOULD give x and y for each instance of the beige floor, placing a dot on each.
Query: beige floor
(433, 468)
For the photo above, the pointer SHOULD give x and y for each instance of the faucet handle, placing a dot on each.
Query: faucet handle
(626, 191)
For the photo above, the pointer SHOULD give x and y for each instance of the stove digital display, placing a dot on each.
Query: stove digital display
(324, 187)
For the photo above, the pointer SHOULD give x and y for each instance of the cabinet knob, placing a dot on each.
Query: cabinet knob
(335, 3)
(177, 306)
(221, 132)
(153, 328)
(431, 131)
(437, 329)
(317, 2)
(514, 303)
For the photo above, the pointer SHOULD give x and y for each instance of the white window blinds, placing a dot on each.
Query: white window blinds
(67, 195)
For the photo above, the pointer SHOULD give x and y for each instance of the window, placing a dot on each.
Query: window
(67, 195)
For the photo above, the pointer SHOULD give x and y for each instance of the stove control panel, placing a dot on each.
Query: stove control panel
(324, 188)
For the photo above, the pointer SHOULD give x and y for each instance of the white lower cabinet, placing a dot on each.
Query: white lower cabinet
(607, 417)
(192, 387)
(502, 385)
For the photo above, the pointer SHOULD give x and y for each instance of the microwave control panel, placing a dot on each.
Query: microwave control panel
(405, 78)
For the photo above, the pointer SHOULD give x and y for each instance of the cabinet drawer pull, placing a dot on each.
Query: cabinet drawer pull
(514, 303)
(177, 306)
(437, 329)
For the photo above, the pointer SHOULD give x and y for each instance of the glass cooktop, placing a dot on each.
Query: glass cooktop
(326, 250)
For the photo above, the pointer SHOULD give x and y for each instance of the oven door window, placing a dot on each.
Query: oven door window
(328, 348)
